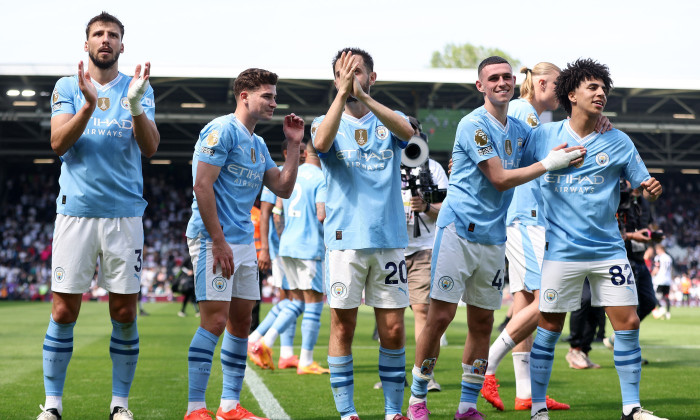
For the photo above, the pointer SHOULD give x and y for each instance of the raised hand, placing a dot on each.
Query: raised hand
(346, 73)
(137, 87)
(86, 87)
(603, 124)
(293, 127)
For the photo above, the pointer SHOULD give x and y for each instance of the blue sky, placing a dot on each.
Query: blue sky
(634, 38)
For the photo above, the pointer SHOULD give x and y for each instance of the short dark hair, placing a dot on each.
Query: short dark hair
(369, 62)
(104, 17)
(251, 79)
(494, 59)
(576, 73)
(285, 144)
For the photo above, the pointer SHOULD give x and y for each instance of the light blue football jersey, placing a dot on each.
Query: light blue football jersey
(364, 208)
(527, 199)
(303, 233)
(476, 207)
(273, 239)
(243, 158)
(580, 202)
(101, 173)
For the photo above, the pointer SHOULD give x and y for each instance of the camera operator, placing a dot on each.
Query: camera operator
(421, 209)
(634, 220)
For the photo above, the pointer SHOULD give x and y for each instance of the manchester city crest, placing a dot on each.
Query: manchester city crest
(602, 159)
(103, 103)
(219, 284)
(509, 147)
(59, 275)
(124, 103)
(480, 137)
(550, 296)
(382, 132)
(361, 136)
(446, 283)
(339, 290)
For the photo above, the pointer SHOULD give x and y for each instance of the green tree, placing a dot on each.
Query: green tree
(467, 56)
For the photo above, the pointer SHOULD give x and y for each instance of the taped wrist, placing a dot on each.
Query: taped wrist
(559, 159)
(134, 96)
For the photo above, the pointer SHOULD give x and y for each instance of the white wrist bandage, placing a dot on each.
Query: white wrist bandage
(559, 159)
(135, 94)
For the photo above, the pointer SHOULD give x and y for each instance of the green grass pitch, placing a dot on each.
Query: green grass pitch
(670, 383)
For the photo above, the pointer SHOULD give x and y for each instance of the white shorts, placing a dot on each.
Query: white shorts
(277, 278)
(304, 274)
(612, 284)
(79, 241)
(525, 252)
(471, 271)
(213, 286)
(381, 273)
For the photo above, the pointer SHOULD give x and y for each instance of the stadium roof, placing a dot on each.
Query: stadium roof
(661, 116)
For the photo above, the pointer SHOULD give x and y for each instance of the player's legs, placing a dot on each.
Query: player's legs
(233, 352)
(474, 357)
(74, 255)
(286, 325)
(560, 292)
(392, 357)
(542, 357)
(121, 262)
(58, 347)
(123, 346)
(215, 294)
(518, 331)
(214, 315)
(440, 315)
(418, 271)
(284, 321)
(269, 319)
(612, 286)
(310, 328)
(387, 291)
(627, 354)
(340, 363)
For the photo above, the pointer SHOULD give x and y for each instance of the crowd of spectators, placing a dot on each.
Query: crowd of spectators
(28, 206)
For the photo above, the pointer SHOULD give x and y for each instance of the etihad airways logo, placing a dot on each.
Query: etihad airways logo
(368, 160)
(568, 183)
(108, 127)
(245, 177)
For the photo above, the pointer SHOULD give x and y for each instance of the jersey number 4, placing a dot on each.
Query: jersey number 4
(497, 281)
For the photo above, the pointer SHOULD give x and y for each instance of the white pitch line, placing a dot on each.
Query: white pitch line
(268, 403)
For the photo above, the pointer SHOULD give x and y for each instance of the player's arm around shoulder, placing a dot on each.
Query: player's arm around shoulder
(502, 179)
(142, 108)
